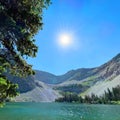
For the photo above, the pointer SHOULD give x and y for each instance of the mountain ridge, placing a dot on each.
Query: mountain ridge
(81, 80)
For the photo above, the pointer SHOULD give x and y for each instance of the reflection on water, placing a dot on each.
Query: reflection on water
(59, 111)
(90, 112)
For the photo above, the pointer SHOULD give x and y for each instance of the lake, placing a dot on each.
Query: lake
(59, 111)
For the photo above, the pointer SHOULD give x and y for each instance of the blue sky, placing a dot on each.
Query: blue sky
(95, 29)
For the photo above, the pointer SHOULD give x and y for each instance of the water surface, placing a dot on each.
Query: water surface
(59, 111)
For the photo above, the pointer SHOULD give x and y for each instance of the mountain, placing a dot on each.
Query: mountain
(45, 77)
(41, 93)
(89, 77)
(33, 90)
(83, 81)
(105, 71)
(53, 79)
(110, 74)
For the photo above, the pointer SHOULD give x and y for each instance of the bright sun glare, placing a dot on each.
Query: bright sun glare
(65, 40)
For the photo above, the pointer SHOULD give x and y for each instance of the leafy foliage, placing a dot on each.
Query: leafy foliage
(7, 88)
(20, 20)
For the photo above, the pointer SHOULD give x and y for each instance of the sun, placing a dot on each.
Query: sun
(65, 40)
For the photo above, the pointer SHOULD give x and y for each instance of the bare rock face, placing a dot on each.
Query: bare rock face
(100, 87)
(41, 93)
(110, 69)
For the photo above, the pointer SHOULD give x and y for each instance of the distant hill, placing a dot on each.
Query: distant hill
(53, 79)
(82, 81)
(45, 77)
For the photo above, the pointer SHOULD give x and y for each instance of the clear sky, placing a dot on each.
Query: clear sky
(77, 34)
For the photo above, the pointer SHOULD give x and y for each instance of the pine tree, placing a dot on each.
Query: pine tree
(20, 20)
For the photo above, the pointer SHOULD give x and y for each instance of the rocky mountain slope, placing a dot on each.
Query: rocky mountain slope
(33, 90)
(110, 77)
(41, 93)
(88, 78)
(100, 87)
(83, 81)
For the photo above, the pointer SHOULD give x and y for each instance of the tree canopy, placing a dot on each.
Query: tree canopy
(20, 20)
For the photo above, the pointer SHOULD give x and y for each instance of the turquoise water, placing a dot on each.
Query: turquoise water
(59, 111)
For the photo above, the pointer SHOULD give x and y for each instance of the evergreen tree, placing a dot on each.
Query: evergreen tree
(20, 20)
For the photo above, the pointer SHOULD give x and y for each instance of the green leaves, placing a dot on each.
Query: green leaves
(20, 20)
(2, 82)
(7, 88)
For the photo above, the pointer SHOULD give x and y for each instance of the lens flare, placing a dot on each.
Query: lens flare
(65, 40)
